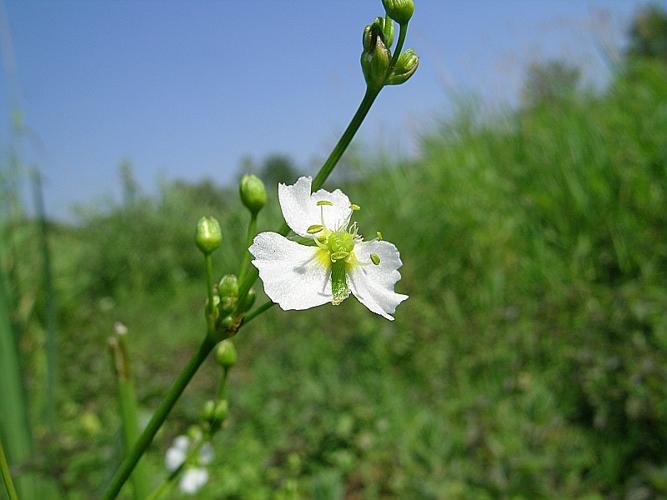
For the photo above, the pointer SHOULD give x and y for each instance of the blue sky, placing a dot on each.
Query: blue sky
(186, 89)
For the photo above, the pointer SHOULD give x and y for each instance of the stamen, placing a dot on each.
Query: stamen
(315, 228)
(355, 207)
(339, 256)
(324, 203)
(379, 235)
(375, 259)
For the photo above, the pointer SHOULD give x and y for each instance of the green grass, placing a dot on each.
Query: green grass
(530, 360)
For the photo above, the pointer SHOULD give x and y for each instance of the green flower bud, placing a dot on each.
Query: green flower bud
(405, 67)
(208, 236)
(225, 353)
(386, 29)
(248, 301)
(221, 410)
(208, 411)
(227, 322)
(227, 305)
(253, 194)
(195, 433)
(375, 58)
(228, 286)
(399, 10)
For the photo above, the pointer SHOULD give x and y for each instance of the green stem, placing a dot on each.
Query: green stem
(326, 169)
(252, 230)
(50, 320)
(223, 382)
(257, 311)
(130, 461)
(403, 32)
(6, 475)
(127, 402)
(210, 320)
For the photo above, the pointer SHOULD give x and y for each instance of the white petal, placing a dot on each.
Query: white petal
(193, 479)
(374, 285)
(174, 458)
(292, 274)
(181, 442)
(206, 454)
(300, 208)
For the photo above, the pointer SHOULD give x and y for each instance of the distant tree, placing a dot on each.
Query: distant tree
(648, 34)
(278, 168)
(550, 81)
(129, 183)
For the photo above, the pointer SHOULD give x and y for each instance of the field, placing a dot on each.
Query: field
(529, 362)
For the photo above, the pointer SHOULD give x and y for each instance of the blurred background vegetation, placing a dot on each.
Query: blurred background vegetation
(529, 362)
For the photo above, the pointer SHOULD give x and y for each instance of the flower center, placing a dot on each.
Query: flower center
(340, 244)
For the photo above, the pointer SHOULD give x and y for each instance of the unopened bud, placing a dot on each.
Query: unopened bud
(405, 67)
(221, 410)
(375, 58)
(399, 10)
(225, 353)
(248, 301)
(253, 194)
(227, 322)
(209, 235)
(386, 29)
(228, 286)
(208, 411)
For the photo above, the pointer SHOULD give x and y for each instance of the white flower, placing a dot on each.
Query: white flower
(338, 261)
(177, 453)
(193, 479)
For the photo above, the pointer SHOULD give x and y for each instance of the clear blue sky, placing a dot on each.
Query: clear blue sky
(186, 89)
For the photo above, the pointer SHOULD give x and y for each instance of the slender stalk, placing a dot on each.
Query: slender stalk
(210, 321)
(403, 32)
(252, 230)
(127, 402)
(223, 382)
(50, 320)
(257, 311)
(130, 461)
(6, 475)
(326, 169)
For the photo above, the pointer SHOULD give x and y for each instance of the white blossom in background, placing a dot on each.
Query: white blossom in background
(336, 262)
(195, 475)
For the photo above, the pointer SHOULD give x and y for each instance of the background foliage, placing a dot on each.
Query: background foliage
(530, 360)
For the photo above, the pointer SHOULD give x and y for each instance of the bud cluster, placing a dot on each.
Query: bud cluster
(377, 64)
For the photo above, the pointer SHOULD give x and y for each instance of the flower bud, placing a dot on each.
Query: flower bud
(399, 10)
(227, 322)
(221, 410)
(225, 353)
(386, 29)
(248, 301)
(208, 236)
(208, 411)
(375, 57)
(405, 67)
(228, 286)
(253, 194)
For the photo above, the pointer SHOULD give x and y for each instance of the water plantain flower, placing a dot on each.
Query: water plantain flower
(334, 262)
(195, 475)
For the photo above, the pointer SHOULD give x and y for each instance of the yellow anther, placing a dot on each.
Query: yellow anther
(355, 207)
(379, 235)
(375, 259)
(314, 229)
(324, 203)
